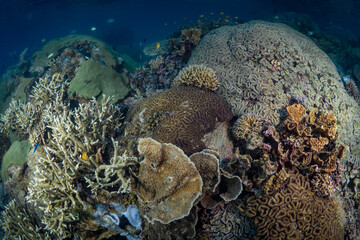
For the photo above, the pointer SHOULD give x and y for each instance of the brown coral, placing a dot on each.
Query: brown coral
(191, 35)
(247, 124)
(168, 182)
(295, 212)
(198, 76)
(181, 115)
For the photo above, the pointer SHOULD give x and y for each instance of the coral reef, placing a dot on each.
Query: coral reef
(168, 182)
(156, 48)
(181, 115)
(261, 65)
(296, 212)
(18, 224)
(198, 76)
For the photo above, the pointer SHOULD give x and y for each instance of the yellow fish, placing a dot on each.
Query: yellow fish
(198, 21)
(84, 156)
(221, 13)
(202, 15)
(211, 13)
(157, 45)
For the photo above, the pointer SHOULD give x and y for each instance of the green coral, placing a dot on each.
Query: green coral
(93, 79)
(17, 154)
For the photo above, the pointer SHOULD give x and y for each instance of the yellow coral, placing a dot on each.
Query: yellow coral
(317, 144)
(296, 112)
(247, 124)
(198, 76)
(168, 182)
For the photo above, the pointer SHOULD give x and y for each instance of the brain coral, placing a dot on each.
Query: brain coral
(180, 115)
(261, 65)
(295, 212)
(198, 76)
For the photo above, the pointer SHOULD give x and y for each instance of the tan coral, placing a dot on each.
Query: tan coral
(168, 182)
(296, 112)
(295, 204)
(192, 35)
(247, 124)
(317, 144)
(198, 76)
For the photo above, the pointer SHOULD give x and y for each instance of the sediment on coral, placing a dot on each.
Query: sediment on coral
(18, 225)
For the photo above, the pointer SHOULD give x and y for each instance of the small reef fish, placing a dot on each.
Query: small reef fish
(110, 20)
(84, 156)
(157, 45)
(36, 145)
(93, 29)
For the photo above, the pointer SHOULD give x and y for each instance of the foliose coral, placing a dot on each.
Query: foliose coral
(198, 76)
(168, 182)
(261, 65)
(180, 115)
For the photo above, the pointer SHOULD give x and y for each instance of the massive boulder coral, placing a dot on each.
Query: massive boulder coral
(181, 116)
(168, 182)
(262, 65)
(295, 212)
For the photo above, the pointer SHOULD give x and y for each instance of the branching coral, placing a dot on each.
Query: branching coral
(70, 155)
(198, 76)
(18, 224)
(106, 173)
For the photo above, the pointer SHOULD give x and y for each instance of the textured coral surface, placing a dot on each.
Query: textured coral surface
(295, 212)
(181, 115)
(262, 65)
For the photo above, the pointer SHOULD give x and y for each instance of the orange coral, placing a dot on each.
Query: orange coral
(180, 115)
(296, 112)
(198, 76)
(168, 182)
(295, 212)
(317, 144)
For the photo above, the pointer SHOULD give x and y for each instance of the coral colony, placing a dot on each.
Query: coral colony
(236, 132)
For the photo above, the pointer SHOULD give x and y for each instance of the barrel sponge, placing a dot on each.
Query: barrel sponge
(261, 65)
(295, 212)
(168, 182)
(198, 76)
(180, 115)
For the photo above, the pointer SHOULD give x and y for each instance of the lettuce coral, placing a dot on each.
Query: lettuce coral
(168, 182)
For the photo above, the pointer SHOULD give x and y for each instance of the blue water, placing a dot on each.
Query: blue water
(30, 24)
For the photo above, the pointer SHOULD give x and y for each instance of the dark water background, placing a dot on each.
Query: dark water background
(30, 24)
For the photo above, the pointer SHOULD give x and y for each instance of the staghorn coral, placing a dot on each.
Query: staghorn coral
(261, 65)
(181, 115)
(18, 224)
(70, 155)
(198, 76)
(296, 212)
(112, 174)
(168, 182)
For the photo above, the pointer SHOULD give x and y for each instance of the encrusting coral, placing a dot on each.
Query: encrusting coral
(18, 224)
(168, 182)
(295, 212)
(180, 115)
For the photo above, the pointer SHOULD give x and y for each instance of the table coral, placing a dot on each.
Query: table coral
(261, 65)
(180, 115)
(168, 182)
(296, 212)
(198, 76)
